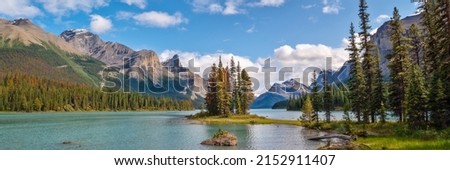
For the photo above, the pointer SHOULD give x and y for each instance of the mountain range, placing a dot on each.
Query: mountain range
(83, 57)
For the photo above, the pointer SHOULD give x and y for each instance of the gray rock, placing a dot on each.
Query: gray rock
(226, 139)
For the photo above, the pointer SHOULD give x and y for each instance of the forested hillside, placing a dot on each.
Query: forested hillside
(20, 92)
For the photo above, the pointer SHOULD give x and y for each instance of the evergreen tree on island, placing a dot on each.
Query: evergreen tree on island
(228, 94)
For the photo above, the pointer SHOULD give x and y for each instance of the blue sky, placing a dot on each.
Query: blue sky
(254, 29)
(296, 33)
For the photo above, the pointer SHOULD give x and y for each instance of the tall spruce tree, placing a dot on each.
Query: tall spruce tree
(221, 99)
(437, 102)
(233, 84)
(211, 98)
(247, 95)
(436, 24)
(431, 51)
(368, 60)
(416, 44)
(399, 64)
(378, 91)
(238, 91)
(444, 46)
(418, 95)
(356, 82)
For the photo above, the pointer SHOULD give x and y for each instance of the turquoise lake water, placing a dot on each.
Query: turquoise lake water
(143, 131)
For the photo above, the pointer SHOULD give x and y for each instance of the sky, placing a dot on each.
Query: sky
(292, 33)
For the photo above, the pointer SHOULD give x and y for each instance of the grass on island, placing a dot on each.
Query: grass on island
(241, 119)
(391, 136)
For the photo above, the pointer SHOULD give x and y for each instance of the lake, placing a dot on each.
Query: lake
(143, 131)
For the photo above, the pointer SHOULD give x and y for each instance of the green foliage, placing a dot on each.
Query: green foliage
(340, 97)
(356, 82)
(399, 64)
(417, 99)
(222, 97)
(437, 101)
(47, 62)
(307, 110)
(415, 36)
(25, 93)
(220, 133)
(370, 65)
(247, 95)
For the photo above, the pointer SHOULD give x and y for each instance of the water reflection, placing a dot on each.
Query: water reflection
(141, 131)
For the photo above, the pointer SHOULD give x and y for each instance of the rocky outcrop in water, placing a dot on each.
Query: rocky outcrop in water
(222, 138)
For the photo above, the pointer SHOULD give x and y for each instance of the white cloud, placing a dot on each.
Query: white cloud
(100, 24)
(160, 19)
(215, 8)
(62, 7)
(228, 7)
(251, 29)
(139, 3)
(124, 15)
(307, 55)
(232, 7)
(271, 3)
(383, 18)
(298, 58)
(18, 8)
(331, 7)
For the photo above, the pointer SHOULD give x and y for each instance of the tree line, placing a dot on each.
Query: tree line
(339, 99)
(229, 90)
(25, 93)
(419, 55)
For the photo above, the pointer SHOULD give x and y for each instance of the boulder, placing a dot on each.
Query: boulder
(222, 138)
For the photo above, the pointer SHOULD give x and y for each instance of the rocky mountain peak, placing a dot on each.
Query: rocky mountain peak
(69, 35)
(21, 22)
(83, 40)
(291, 86)
(26, 32)
(174, 65)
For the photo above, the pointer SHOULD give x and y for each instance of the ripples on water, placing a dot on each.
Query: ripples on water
(143, 131)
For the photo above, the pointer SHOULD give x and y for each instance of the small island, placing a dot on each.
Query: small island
(222, 138)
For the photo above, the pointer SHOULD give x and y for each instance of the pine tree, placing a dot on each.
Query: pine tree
(37, 104)
(233, 84)
(247, 95)
(418, 95)
(368, 60)
(416, 44)
(399, 64)
(211, 98)
(437, 103)
(307, 109)
(431, 51)
(237, 90)
(444, 55)
(222, 102)
(356, 82)
(378, 91)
